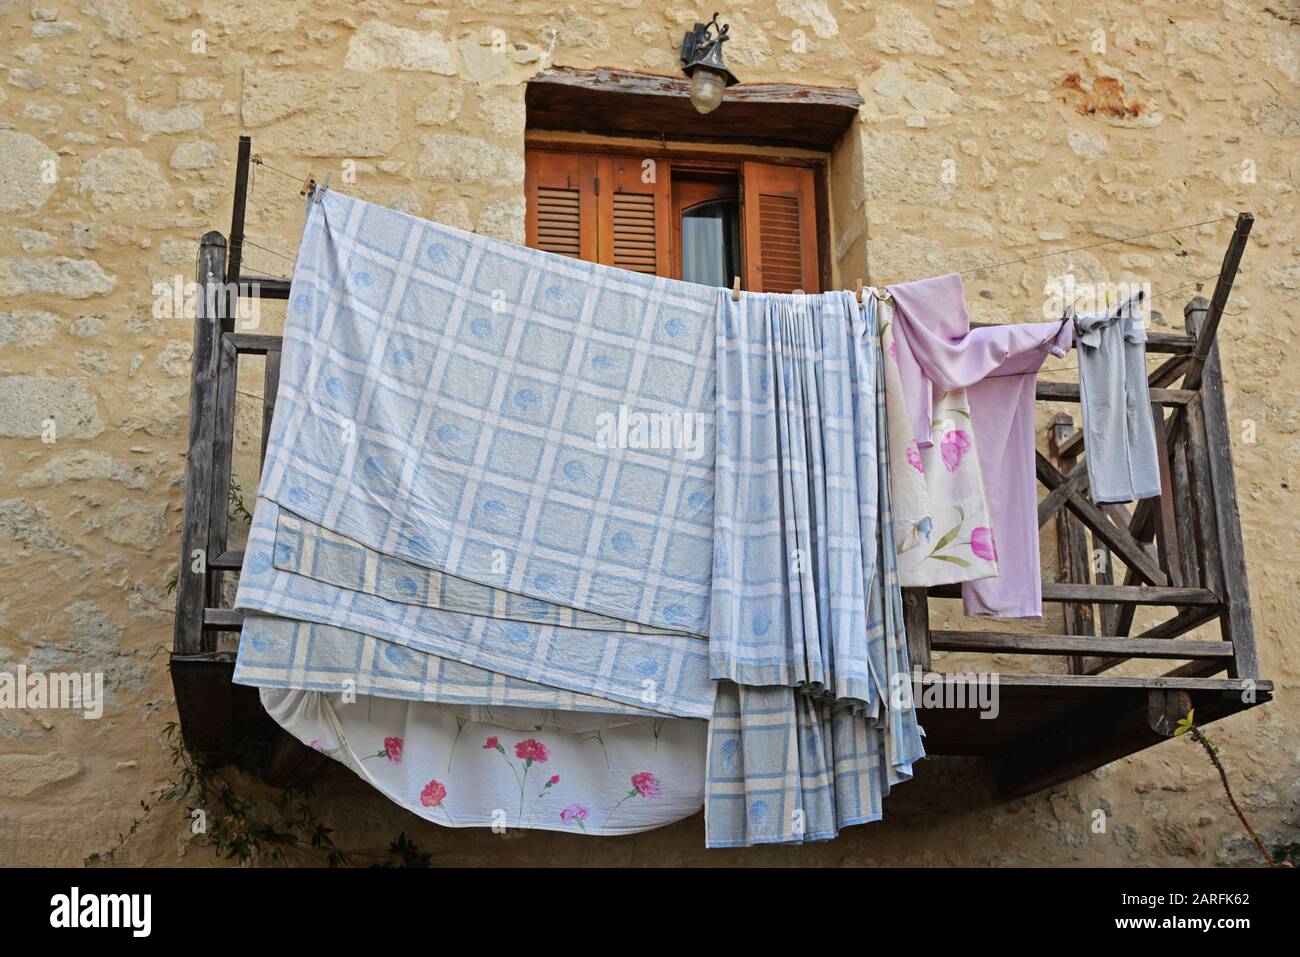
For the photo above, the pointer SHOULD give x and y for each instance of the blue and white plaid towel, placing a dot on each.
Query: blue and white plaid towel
(813, 720)
(490, 480)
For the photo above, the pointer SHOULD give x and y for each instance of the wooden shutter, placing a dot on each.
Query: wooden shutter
(780, 221)
(635, 205)
(561, 194)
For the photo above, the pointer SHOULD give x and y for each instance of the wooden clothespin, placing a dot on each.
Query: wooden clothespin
(307, 185)
(735, 290)
(859, 292)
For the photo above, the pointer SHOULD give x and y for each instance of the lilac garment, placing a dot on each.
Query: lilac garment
(998, 366)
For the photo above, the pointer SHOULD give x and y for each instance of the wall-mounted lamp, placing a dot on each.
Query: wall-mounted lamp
(702, 62)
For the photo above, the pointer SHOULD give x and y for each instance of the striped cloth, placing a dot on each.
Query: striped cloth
(813, 721)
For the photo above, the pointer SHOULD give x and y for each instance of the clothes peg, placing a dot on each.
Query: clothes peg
(735, 290)
(307, 185)
(859, 292)
(320, 190)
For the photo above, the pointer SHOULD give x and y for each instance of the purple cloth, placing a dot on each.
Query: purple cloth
(998, 367)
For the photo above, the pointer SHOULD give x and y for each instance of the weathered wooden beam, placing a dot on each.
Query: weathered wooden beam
(223, 443)
(916, 621)
(1237, 622)
(253, 343)
(1181, 623)
(1116, 538)
(265, 287)
(1207, 328)
(191, 585)
(1166, 538)
(222, 619)
(637, 104)
(227, 561)
(270, 386)
(1113, 594)
(1184, 515)
(997, 642)
(1076, 480)
(237, 225)
(1208, 554)
(1074, 563)
(1069, 392)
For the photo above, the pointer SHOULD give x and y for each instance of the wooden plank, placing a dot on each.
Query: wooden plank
(1181, 623)
(238, 210)
(222, 619)
(1113, 594)
(230, 560)
(1076, 480)
(1115, 537)
(1202, 500)
(620, 102)
(1237, 622)
(223, 440)
(270, 386)
(1207, 327)
(254, 344)
(1074, 562)
(995, 642)
(265, 287)
(1069, 392)
(916, 621)
(1166, 523)
(1184, 516)
(1140, 527)
(191, 585)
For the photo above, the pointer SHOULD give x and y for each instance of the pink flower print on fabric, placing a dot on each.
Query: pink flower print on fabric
(647, 785)
(492, 744)
(981, 543)
(531, 750)
(914, 459)
(575, 814)
(433, 794)
(644, 784)
(392, 750)
(956, 443)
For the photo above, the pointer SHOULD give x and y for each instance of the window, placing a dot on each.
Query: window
(702, 220)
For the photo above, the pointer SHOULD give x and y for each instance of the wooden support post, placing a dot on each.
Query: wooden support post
(270, 385)
(1208, 327)
(1166, 523)
(236, 260)
(916, 621)
(1236, 622)
(1073, 559)
(191, 584)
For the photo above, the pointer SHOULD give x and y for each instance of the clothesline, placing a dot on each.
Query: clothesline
(309, 179)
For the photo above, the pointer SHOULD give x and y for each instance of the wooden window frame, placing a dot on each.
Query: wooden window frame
(721, 158)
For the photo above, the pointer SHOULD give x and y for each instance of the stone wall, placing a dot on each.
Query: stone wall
(991, 130)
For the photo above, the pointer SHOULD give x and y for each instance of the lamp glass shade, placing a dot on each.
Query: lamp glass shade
(707, 88)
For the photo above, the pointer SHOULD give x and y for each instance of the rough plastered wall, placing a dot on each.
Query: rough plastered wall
(991, 130)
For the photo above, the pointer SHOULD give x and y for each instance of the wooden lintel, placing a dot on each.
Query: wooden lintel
(623, 103)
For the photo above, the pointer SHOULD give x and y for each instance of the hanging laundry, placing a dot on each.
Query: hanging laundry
(1118, 428)
(941, 515)
(997, 365)
(487, 512)
(813, 721)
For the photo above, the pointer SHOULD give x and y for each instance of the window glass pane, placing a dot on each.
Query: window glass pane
(711, 243)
